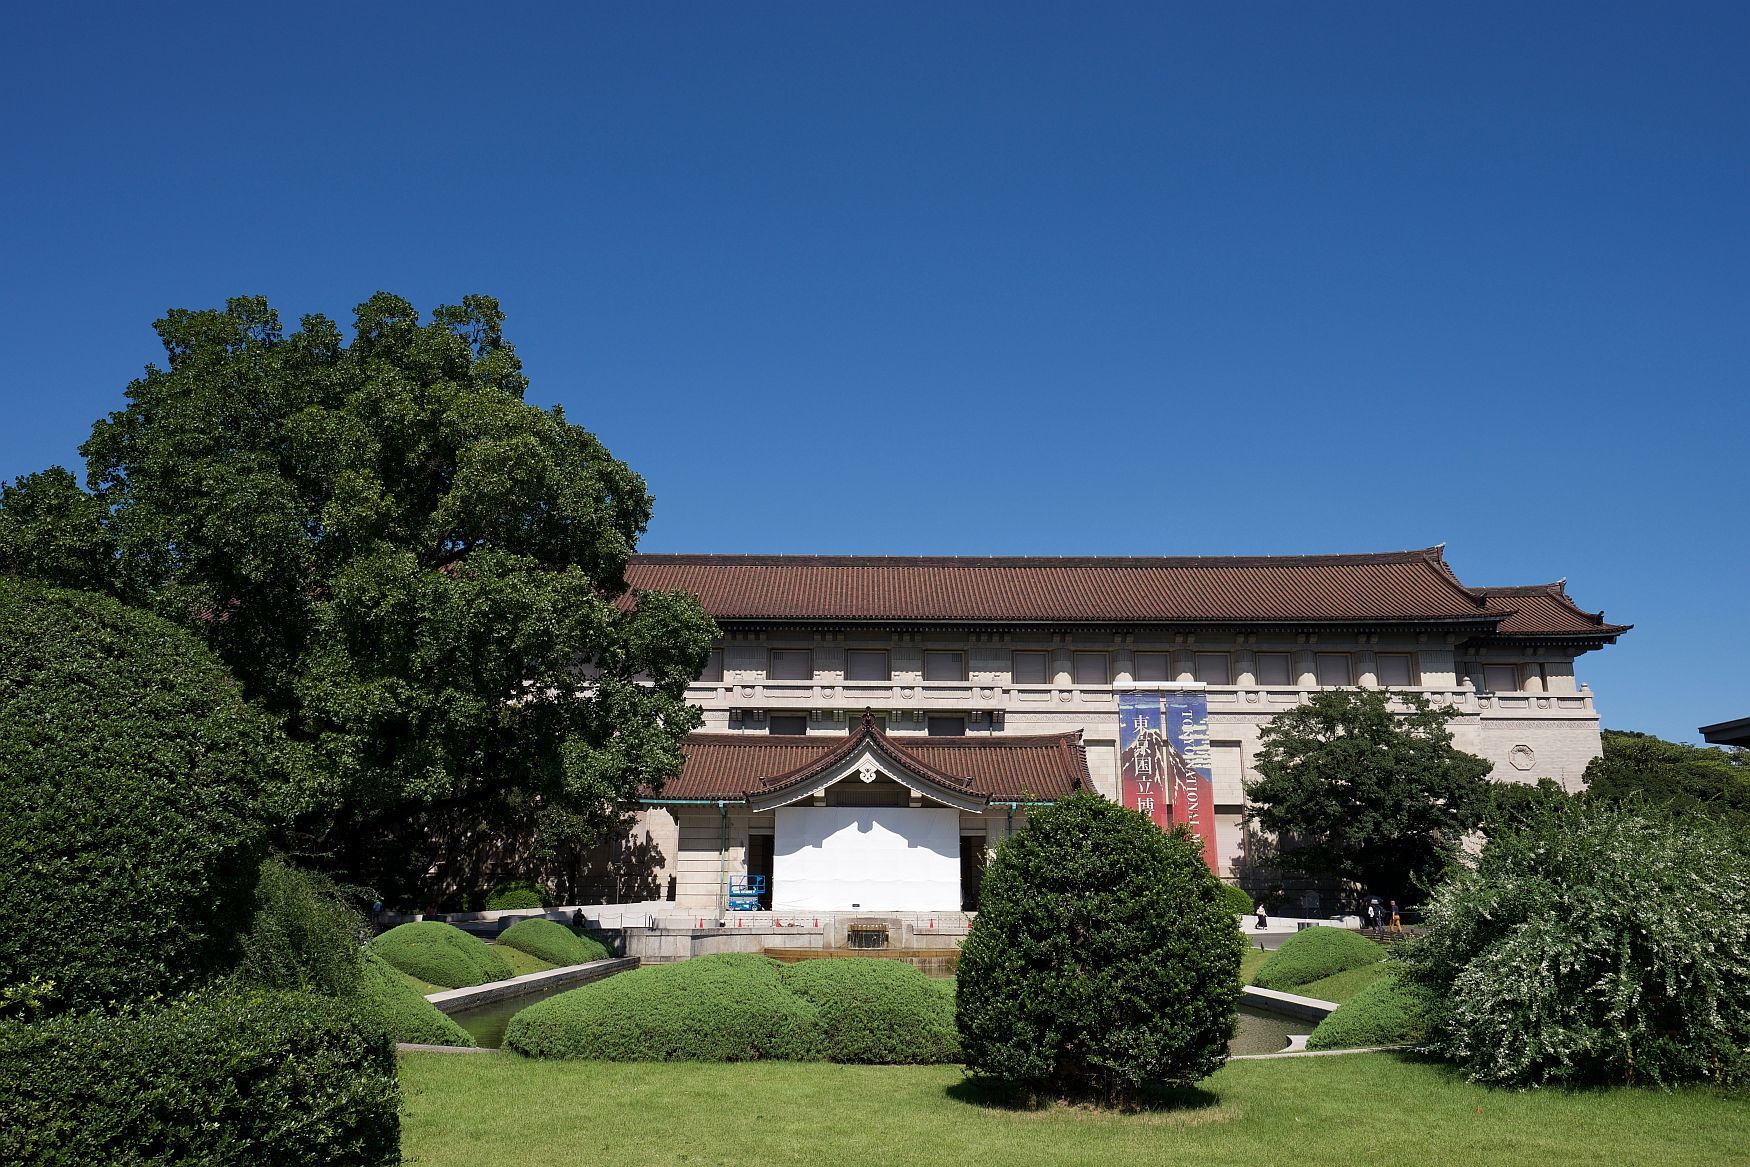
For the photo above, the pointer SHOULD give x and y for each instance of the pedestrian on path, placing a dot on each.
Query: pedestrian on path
(1397, 920)
(1263, 920)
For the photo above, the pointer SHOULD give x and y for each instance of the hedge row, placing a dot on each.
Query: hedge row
(1236, 899)
(1313, 954)
(238, 1078)
(441, 954)
(552, 942)
(403, 1010)
(1387, 1012)
(741, 1007)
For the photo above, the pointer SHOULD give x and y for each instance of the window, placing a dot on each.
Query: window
(944, 666)
(1333, 668)
(866, 665)
(1501, 678)
(1030, 668)
(713, 667)
(1091, 669)
(1273, 669)
(791, 664)
(1153, 666)
(1395, 670)
(788, 724)
(1212, 668)
(947, 727)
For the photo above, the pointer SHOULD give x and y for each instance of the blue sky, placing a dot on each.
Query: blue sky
(990, 279)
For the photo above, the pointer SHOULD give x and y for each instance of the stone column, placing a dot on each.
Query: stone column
(1184, 665)
(1367, 669)
(1305, 672)
(1124, 667)
(1245, 668)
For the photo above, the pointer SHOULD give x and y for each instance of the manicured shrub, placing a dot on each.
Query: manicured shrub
(1593, 945)
(727, 1008)
(883, 1012)
(1314, 953)
(1390, 1011)
(517, 895)
(402, 1009)
(441, 954)
(130, 770)
(1103, 958)
(1236, 899)
(552, 942)
(304, 936)
(264, 1078)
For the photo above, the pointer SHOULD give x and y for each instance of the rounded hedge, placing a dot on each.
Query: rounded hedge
(1313, 954)
(441, 954)
(516, 896)
(1592, 945)
(304, 937)
(230, 1078)
(1390, 1011)
(552, 942)
(1236, 899)
(1104, 958)
(402, 1009)
(130, 770)
(727, 1008)
(882, 1012)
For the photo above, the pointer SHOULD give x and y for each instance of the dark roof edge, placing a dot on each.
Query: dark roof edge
(1429, 554)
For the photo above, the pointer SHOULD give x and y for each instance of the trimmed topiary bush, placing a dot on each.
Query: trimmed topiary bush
(1103, 958)
(517, 895)
(883, 1012)
(552, 942)
(1237, 900)
(728, 1008)
(1593, 945)
(441, 954)
(130, 770)
(261, 1078)
(304, 937)
(402, 1009)
(1390, 1011)
(1313, 954)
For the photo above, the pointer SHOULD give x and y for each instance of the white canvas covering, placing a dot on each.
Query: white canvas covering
(873, 859)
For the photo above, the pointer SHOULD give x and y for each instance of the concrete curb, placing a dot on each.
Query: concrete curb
(1325, 1053)
(455, 1000)
(414, 1047)
(1287, 1004)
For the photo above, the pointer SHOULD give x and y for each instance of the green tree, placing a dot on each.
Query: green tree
(1353, 788)
(420, 574)
(1681, 778)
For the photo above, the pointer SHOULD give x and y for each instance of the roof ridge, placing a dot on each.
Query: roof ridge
(712, 559)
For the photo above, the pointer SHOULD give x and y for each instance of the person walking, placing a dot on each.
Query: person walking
(1263, 920)
(1375, 917)
(1397, 919)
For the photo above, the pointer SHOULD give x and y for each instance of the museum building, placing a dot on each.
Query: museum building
(875, 725)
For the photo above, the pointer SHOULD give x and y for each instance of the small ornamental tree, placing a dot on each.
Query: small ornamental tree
(1104, 958)
(1592, 946)
(1353, 788)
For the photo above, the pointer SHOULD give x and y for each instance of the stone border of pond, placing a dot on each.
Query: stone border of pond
(456, 1000)
(1287, 1004)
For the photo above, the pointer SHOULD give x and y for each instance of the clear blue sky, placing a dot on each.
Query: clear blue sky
(1259, 278)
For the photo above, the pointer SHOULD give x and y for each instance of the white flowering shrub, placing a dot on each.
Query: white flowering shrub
(1593, 946)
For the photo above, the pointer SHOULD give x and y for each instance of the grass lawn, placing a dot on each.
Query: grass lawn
(521, 963)
(1249, 964)
(500, 1110)
(1341, 986)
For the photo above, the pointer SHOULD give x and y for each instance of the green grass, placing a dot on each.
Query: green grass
(1341, 986)
(505, 1111)
(1249, 962)
(521, 963)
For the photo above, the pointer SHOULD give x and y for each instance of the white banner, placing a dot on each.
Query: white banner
(866, 858)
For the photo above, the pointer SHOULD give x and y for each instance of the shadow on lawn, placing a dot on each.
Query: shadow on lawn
(996, 1094)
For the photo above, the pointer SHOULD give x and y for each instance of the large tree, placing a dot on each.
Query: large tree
(1683, 779)
(1356, 789)
(420, 574)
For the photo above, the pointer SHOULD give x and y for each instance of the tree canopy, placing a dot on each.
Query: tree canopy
(1682, 779)
(418, 573)
(1354, 789)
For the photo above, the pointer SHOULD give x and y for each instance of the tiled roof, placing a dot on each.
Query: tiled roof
(1000, 768)
(1398, 586)
(1546, 610)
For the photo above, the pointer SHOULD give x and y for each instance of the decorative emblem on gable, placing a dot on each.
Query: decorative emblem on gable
(868, 772)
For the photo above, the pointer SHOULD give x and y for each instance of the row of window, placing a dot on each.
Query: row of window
(796, 725)
(1092, 668)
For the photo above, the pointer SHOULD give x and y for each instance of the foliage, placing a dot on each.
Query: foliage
(1390, 1011)
(304, 936)
(552, 942)
(231, 1079)
(1352, 789)
(402, 1009)
(1236, 899)
(883, 1012)
(403, 561)
(1104, 957)
(516, 895)
(1313, 953)
(1513, 804)
(129, 775)
(1593, 946)
(1683, 778)
(1341, 986)
(728, 1008)
(440, 954)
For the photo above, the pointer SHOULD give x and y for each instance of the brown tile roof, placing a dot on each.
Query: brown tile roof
(1398, 586)
(732, 766)
(1546, 610)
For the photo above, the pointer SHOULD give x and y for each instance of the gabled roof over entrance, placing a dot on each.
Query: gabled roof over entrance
(966, 772)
